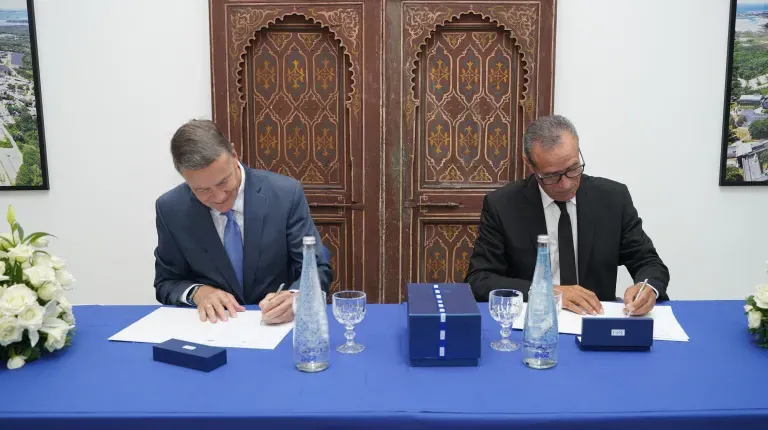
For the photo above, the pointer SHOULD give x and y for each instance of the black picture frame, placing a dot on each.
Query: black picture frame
(744, 159)
(15, 103)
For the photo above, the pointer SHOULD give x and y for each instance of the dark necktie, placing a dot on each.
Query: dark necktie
(565, 247)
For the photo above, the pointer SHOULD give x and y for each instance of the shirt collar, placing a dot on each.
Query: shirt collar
(546, 200)
(238, 205)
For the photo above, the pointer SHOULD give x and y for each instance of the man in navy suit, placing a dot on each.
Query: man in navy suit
(230, 235)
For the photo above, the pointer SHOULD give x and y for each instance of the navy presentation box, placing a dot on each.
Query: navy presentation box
(190, 355)
(616, 334)
(443, 325)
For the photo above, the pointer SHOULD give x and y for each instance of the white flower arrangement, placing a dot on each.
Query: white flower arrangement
(35, 317)
(757, 314)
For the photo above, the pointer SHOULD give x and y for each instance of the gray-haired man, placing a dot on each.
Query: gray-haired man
(230, 235)
(592, 224)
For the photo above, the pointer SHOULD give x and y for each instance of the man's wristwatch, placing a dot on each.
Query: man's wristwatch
(192, 294)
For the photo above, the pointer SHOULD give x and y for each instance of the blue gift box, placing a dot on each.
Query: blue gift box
(443, 325)
(190, 355)
(616, 334)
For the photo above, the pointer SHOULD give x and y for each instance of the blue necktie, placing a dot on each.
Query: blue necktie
(233, 244)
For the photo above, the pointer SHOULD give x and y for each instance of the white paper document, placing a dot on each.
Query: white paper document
(245, 331)
(665, 325)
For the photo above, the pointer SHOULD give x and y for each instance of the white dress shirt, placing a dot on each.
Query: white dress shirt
(220, 220)
(552, 217)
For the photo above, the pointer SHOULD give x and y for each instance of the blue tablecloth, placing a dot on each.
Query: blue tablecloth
(715, 381)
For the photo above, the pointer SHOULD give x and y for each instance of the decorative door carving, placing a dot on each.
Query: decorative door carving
(288, 85)
(472, 76)
(396, 143)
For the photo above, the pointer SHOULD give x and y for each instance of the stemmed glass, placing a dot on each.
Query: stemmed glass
(349, 310)
(505, 306)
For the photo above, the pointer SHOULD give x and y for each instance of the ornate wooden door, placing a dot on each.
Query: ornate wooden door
(472, 76)
(290, 89)
(398, 116)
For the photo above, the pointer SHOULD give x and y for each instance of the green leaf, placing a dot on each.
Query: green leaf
(17, 227)
(751, 301)
(21, 232)
(7, 241)
(34, 236)
(34, 353)
(18, 277)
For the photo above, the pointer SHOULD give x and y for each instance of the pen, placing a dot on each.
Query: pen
(280, 288)
(642, 287)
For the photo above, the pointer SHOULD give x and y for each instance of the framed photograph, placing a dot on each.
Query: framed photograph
(744, 157)
(23, 163)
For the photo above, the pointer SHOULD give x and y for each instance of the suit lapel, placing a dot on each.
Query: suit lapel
(534, 211)
(255, 209)
(205, 233)
(586, 225)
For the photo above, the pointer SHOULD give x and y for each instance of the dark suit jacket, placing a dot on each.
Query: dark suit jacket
(276, 218)
(610, 234)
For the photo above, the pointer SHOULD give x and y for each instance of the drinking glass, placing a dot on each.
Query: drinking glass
(349, 310)
(505, 306)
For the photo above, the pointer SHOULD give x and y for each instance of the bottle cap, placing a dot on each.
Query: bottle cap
(309, 240)
(543, 238)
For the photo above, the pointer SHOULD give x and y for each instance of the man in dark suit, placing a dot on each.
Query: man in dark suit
(230, 235)
(592, 224)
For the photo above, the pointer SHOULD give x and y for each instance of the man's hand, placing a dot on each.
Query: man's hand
(643, 304)
(214, 304)
(277, 308)
(580, 300)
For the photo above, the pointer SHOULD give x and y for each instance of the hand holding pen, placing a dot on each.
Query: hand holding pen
(277, 307)
(639, 299)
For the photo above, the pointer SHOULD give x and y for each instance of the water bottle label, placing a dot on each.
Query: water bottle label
(539, 350)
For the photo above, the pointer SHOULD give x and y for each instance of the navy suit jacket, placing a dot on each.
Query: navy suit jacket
(276, 219)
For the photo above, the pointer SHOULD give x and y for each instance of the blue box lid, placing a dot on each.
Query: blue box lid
(190, 348)
(456, 299)
(190, 355)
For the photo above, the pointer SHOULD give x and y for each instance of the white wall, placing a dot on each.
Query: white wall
(643, 81)
(118, 78)
(643, 87)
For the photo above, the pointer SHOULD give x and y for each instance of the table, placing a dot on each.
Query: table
(715, 381)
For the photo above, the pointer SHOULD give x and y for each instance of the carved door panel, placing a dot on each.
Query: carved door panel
(469, 84)
(288, 89)
(396, 143)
